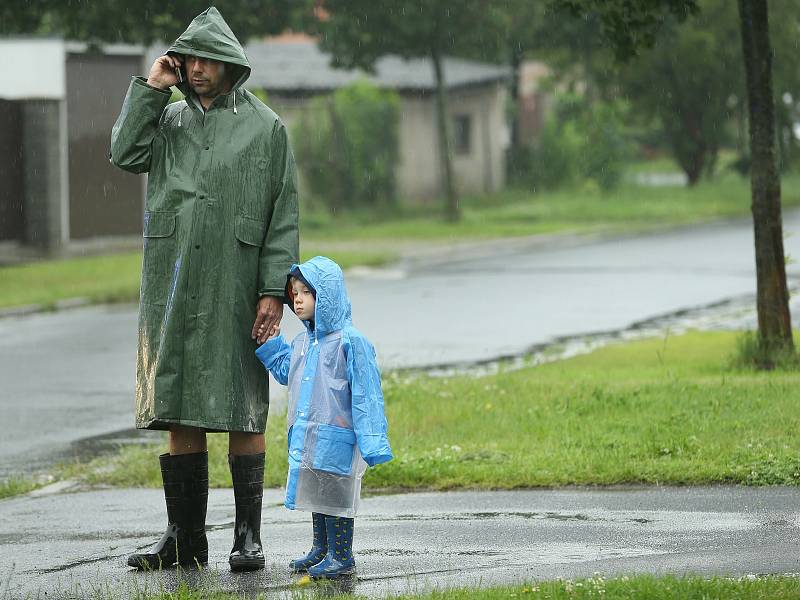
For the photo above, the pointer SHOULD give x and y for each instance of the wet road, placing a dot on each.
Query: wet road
(415, 542)
(69, 376)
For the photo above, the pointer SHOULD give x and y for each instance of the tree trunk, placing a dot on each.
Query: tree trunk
(452, 211)
(516, 65)
(774, 322)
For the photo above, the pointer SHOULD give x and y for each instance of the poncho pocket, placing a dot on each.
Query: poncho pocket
(334, 451)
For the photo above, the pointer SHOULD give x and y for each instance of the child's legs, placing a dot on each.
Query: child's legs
(241, 443)
(186, 440)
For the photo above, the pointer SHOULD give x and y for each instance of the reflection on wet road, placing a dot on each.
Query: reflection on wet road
(415, 542)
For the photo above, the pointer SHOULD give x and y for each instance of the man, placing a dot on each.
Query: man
(220, 233)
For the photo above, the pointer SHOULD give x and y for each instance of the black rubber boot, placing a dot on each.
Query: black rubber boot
(247, 472)
(185, 478)
(319, 547)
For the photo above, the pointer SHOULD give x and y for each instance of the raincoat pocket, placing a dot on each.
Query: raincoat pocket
(158, 224)
(159, 268)
(334, 451)
(249, 231)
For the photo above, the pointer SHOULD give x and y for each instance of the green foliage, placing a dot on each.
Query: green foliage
(176, 96)
(15, 486)
(580, 142)
(358, 32)
(753, 353)
(689, 84)
(143, 22)
(630, 25)
(261, 95)
(347, 146)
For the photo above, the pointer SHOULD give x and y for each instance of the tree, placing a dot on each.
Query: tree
(358, 32)
(141, 22)
(685, 82)
(631, 24)
(774, 320)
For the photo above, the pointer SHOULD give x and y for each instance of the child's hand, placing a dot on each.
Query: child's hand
(274, 332)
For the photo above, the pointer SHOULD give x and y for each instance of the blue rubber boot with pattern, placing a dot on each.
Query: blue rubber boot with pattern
(319, 547)
(339, 560)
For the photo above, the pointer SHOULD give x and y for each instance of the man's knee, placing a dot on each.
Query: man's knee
(240, 442)
(186, 440)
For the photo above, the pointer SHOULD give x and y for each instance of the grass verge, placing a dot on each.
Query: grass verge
(115, 277)
(668, 411)
(518, 212)
(16, 486)
(618, 588)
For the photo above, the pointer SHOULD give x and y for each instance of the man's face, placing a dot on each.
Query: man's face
(206, 76)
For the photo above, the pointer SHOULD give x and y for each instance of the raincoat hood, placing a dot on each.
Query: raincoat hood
(208, 36)
(332, 310)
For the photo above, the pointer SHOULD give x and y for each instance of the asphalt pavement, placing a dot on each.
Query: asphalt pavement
(75, 544)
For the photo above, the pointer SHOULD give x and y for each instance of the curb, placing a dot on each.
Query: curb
(31, 309)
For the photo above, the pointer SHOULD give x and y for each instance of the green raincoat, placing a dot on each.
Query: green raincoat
(220, 231)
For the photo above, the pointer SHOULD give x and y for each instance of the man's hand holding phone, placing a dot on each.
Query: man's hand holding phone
(165, 72)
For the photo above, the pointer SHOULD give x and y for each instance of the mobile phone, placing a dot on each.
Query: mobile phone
(179, 74)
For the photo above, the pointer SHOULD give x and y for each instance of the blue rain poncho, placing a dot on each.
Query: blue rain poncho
(336, 422)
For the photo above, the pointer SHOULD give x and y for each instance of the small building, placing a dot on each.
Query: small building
(293, 70)
(58, 102)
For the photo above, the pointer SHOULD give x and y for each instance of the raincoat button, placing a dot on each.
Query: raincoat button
(197, 246)
(202, 196)
(207, 147)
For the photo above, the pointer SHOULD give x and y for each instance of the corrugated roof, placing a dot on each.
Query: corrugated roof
(300, 66)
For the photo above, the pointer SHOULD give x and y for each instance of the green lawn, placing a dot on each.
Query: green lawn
(642, 587)
(669, 411)
(639, 587)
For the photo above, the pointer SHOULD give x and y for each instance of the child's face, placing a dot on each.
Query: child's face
(303, 301)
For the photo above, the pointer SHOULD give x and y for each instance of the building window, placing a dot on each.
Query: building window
(462, 134)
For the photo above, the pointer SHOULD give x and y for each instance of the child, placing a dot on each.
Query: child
(336, 422)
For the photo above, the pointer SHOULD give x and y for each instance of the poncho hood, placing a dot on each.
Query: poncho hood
(208, 36)
(332, 311)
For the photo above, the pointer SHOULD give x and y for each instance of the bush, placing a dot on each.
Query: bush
(580, 142)
(347, 146)
(752, 353)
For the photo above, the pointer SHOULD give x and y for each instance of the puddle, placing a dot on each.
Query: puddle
(480, 553)
(389, 552)
(479, 516)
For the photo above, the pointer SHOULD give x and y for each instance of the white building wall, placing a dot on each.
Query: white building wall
(33, 69)
(418, 169)
(419, 177)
